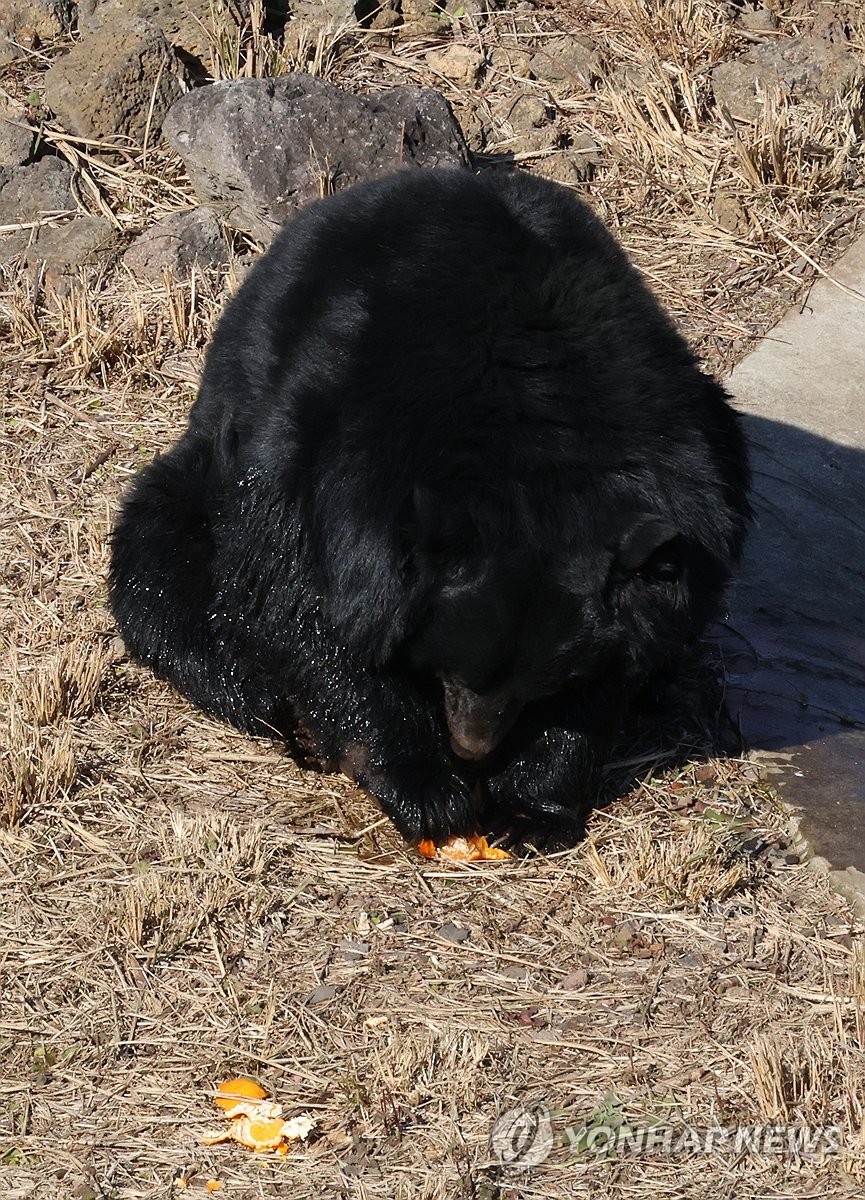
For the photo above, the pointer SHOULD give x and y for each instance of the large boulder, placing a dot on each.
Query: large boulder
(260, 148)
(116, 83)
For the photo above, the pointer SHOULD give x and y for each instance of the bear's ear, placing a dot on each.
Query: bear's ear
(651, 546)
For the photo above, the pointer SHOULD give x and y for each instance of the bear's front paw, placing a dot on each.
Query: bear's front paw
(423, 798)
(541, 798)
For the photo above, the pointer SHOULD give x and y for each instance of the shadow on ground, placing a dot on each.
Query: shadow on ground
(794, 640)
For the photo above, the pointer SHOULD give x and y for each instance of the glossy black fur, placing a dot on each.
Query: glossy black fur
(452, 493)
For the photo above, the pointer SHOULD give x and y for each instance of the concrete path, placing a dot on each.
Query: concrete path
(794, 641)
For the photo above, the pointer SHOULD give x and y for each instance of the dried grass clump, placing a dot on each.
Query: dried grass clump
(64, 685)
(37, 768)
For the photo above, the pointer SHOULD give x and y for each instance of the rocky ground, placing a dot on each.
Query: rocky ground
(180, 903)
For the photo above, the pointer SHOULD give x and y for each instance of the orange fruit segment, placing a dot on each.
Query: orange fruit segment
(258, 1133)
(459, 849)
(232, 1091)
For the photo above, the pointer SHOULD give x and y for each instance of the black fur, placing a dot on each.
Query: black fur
(452, 492)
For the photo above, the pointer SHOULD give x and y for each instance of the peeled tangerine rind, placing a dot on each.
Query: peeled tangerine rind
(459, 849)
(233, 1090)
(256, 1122)
(258, 1133)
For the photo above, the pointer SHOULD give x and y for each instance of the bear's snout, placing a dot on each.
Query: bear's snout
(477, 723)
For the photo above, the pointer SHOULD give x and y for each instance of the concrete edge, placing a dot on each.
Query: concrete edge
(848, 883)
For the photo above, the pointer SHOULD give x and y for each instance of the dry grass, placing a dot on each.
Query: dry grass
(180, 903)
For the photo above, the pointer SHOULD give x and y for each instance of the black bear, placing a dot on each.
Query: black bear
(453, 492)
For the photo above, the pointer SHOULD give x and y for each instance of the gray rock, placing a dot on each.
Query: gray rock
(352, 952)
(77, 243)
(468, 14)
(16, 136)
(323, 994)
(325, 14)
(571, 166)
(799, 68)
(511, 62)
(423, 16)
(758, 20)
(103, 88)
(522, 112)
(189, 25)
(178, 243)
(568, 64)
(585, 154)
(28, 193)
(454, 933)
(264, 147)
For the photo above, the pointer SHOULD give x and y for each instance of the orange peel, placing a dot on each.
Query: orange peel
(256, 1122)
(232, 1091)
(475, 848)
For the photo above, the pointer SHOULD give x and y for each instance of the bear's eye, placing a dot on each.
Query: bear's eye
(664, 565)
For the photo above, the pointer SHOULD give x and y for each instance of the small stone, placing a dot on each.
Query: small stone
(28, 193)
(16, 136)
(117, 648)
(575, 981)
(454, 933)
(585, 155)
(705, 772)
(178, 243)
(568, 64)
(522, 112)
(321, 994)
(77, 243)
(511, 62)
(549, 1037)
(385, 19)
(737, 992)
(350, 951)
(564, 167)
(758, 20)
(324, 14)
(624, 934)
(470, 13)
(459, 64)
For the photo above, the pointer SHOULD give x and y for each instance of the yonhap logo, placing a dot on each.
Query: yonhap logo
(522, 1137)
